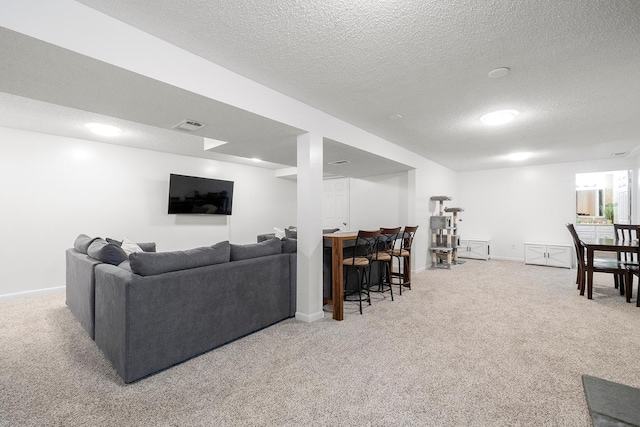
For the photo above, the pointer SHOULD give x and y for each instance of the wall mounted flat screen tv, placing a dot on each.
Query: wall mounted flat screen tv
(194, 195)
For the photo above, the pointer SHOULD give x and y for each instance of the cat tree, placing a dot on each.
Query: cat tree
(444, 235)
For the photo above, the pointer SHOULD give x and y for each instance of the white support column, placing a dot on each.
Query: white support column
(309, 276)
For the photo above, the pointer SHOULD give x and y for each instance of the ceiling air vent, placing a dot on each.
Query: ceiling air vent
(340, 162)
(619, 154)
(188, 125)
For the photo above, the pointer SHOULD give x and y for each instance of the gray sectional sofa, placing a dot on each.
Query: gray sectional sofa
(157, 309)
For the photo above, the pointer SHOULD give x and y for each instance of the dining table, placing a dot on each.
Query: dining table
(337, 241)
(606, 245)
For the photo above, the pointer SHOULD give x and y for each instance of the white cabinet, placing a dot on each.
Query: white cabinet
(474, 248)
(553, 255)
(595, 231)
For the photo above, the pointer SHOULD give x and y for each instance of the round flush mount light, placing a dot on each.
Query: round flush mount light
(499, 117)
(498, 72)
(103, 130)
(517, 157)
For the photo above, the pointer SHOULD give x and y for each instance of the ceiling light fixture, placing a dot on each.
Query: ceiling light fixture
(103, 130)
(517, 157)
(499, 72)
(499, 117)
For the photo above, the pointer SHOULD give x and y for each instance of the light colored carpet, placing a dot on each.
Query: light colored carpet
(488, 343)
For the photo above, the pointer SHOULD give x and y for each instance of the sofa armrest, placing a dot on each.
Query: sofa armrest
(80, 288)
(112, 287)
(267, 236)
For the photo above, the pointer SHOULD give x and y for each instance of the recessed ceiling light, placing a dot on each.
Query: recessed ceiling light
(103, 130)
(499, 72)
(516, 157)
(499, 117)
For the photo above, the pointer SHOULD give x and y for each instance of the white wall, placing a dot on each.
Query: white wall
(516, 205)
(378, 201)
(430, 179)
(54, 188)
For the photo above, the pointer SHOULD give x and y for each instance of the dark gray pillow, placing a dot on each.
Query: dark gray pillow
(83, 242)
(289, 246)
(109, 253)
(152, 263)
(330, 230)
(148, 246)
(291, 233)
(255, 250)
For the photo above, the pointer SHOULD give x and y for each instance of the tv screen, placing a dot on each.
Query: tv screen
(193, 195)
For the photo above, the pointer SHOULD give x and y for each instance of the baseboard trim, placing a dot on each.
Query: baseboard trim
(7, 297)
(309, 317)
(504, 258)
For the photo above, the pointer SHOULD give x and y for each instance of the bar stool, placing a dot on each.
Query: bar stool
(382, 255)
(403, 255)
(360, 261)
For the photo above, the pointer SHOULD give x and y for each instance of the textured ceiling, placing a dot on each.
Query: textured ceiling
(575, 68)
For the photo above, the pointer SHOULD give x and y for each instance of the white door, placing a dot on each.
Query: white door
(621, 197)
(335, 204)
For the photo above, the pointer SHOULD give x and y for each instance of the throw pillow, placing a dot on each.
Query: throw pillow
(291, 233)
(280, 233)
(255, 250)
(129, 246)
(148, 246)
(152, 263)
(83, 242)
(114, 241)
(109, 253)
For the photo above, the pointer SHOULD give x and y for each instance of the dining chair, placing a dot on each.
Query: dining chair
(360, 262)
(403, 256)
(600, 265)
(629, 232)
(382, 256)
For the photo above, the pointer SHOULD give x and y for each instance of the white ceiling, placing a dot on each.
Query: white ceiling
(575, 73)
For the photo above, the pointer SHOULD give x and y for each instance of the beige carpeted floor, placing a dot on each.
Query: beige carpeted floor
(490, 343)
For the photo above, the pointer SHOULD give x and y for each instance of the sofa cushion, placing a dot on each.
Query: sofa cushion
(255, 250)
(152, 263)
(83, 242)
(330, 230)
(109, 253)
(289, 246)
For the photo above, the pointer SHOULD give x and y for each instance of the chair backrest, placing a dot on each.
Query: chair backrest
(577, 243)
(387, 239)
(366, 243)
(407, 237)
(627, 232)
